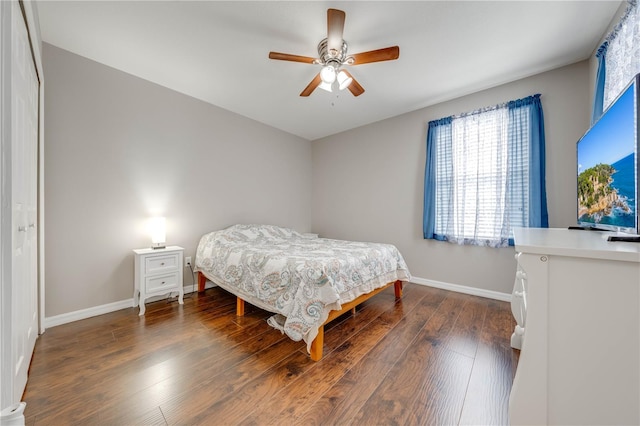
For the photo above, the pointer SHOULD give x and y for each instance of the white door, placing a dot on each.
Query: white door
(24, 153)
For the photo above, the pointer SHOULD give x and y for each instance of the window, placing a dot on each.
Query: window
(618, 59)
(484, 174)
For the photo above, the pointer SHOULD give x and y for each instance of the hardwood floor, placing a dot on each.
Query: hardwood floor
(434, 357)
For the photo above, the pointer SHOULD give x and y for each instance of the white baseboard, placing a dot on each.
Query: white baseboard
(490, 294)
(194, 287)
(128, 303)
(109, 307)
(86, 313)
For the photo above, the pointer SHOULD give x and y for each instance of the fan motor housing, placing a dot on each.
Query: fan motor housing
(330, 56)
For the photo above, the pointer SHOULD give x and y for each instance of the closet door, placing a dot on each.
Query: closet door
(24, 153)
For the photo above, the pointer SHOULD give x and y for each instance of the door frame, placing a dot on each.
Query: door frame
(6, 386)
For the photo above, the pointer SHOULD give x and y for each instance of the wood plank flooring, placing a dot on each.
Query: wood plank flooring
(433, 357)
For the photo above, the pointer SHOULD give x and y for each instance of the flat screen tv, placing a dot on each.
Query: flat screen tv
(608, 167)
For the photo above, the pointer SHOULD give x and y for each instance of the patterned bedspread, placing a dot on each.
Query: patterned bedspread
(301, 279)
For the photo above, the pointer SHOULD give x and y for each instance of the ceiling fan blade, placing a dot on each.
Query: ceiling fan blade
(335, 28)
(386, 54)
(354, 87)
(312, 86)
(293, 58)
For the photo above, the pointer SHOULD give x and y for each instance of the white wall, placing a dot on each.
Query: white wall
(120, 148)
(368, 182)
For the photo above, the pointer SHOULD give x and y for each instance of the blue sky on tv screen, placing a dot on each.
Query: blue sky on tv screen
(612, 137)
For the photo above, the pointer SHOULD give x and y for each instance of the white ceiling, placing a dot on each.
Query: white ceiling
(217, 51)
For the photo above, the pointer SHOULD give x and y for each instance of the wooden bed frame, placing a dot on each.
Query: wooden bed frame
(318, 342)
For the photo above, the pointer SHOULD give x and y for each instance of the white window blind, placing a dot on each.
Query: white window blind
(482, 185)
(622, 54)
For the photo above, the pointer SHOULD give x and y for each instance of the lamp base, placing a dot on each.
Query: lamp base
(157, 246)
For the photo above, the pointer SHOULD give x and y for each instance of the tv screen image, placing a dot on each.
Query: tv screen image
(607, 167)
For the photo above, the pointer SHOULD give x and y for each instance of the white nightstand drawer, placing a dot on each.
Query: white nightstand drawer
(161, 282)
(161, 264)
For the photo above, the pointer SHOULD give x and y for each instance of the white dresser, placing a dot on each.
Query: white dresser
(157, 272)
(577, 304)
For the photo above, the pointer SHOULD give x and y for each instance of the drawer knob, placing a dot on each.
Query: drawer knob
(162, 264)
(162, 282)
(22, 229)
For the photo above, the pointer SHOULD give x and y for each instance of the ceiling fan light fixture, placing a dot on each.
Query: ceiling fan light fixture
(333, 55)
(328, 74)
(344, 80)
(325, 86)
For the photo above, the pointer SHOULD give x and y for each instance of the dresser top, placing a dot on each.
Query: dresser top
(574, 243)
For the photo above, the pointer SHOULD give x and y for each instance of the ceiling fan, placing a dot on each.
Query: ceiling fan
(332, 52)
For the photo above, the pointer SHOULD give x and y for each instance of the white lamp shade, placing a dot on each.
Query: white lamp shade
(325, 86)
(344, 80)
(157, 230)
(328, 74)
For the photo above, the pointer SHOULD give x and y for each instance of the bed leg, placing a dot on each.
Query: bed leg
(397, 286)
(353, 310)
(239, 307)
(317, 344)
(202, 280)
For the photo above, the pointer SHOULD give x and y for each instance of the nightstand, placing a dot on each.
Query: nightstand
(157, 272)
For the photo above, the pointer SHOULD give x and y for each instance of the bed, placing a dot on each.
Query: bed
(304, 280)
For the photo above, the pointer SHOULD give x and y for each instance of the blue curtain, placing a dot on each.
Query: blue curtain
(438, 137)
(598, 97)
(526, 126)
